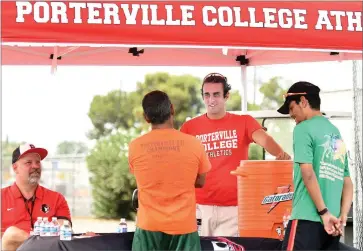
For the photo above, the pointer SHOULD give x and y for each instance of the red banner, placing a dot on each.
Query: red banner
(316, 25)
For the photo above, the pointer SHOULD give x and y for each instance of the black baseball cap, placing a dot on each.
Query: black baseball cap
(21, 150)
(302, 88)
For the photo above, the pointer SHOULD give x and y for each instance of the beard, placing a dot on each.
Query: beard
(34, 177)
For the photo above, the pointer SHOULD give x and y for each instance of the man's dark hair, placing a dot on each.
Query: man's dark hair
(217, 78)
(157, 107)
(314, 100)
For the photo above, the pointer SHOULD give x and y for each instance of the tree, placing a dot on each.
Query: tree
(184, 92)
(110, 112)
(235, 103)
(119, 109)
(7, 147)
(112, 182)
(71, 147)
(273, 94)
(279, 129)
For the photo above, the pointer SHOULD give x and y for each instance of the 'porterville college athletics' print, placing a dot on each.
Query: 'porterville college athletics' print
(219, 143)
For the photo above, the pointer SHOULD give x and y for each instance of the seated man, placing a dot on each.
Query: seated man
(25, 200)
(167, 165)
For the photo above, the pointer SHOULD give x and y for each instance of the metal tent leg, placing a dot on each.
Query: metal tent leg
(244, 107)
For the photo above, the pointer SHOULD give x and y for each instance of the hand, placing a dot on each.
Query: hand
(342, 223)
(88, 233)
(283, 156)
(343, 220)
(331, 224)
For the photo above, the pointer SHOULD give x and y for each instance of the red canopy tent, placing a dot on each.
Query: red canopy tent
(179, 33)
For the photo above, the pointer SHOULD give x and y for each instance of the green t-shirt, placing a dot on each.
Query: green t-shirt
(318, 142)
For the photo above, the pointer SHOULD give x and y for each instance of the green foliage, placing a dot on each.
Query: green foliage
(110, 112)
(119, 109)
(71, 147)
(255, 152)
(235, 101)
(183, 91)
(272, 92)
(7, 147)
(111, 180)
(282, 131)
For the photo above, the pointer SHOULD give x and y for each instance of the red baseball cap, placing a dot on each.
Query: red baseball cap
(21, 150)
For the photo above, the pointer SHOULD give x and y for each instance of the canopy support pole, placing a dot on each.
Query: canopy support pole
(54, 60)
(244, 89)
(358, 166)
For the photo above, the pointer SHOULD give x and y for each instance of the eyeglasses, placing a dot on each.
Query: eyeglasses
(285, 96)
(215, 75)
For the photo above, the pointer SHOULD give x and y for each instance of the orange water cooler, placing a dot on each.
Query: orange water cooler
(265, 192)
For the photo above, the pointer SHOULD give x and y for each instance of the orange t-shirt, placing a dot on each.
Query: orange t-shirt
(226, 141)
(165, 163)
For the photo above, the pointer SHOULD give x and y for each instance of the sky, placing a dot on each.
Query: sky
(45, 109)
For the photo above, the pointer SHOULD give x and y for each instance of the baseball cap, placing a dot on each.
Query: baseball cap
(21, 150)
(298, 88)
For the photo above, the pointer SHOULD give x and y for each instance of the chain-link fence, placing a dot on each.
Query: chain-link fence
(67, 175)
(358, 168)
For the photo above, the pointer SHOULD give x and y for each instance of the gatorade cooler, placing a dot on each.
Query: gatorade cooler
(265, 192)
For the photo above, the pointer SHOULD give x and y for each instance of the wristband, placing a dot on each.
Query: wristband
(322, 212)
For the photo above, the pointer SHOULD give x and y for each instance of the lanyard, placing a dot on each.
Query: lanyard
(30, 211)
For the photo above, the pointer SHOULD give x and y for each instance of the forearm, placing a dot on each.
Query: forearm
(197, 185)
(347, 196)
(200, 180)
(312, 185)
(270, 145)
(12, 238)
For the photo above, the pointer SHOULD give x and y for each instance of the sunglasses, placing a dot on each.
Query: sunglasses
(215, 75)
(285, 96)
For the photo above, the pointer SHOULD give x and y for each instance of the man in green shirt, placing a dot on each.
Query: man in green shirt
(323, 187)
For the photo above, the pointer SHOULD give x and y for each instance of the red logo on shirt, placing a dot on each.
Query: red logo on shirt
(282, 194)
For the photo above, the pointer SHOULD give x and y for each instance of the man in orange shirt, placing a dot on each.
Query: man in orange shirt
(167, 165)
(24, 201)
(226, 138)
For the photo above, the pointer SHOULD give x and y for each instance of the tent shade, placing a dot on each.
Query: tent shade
(114, 56)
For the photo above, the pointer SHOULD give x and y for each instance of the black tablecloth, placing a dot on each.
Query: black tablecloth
(123, 241)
